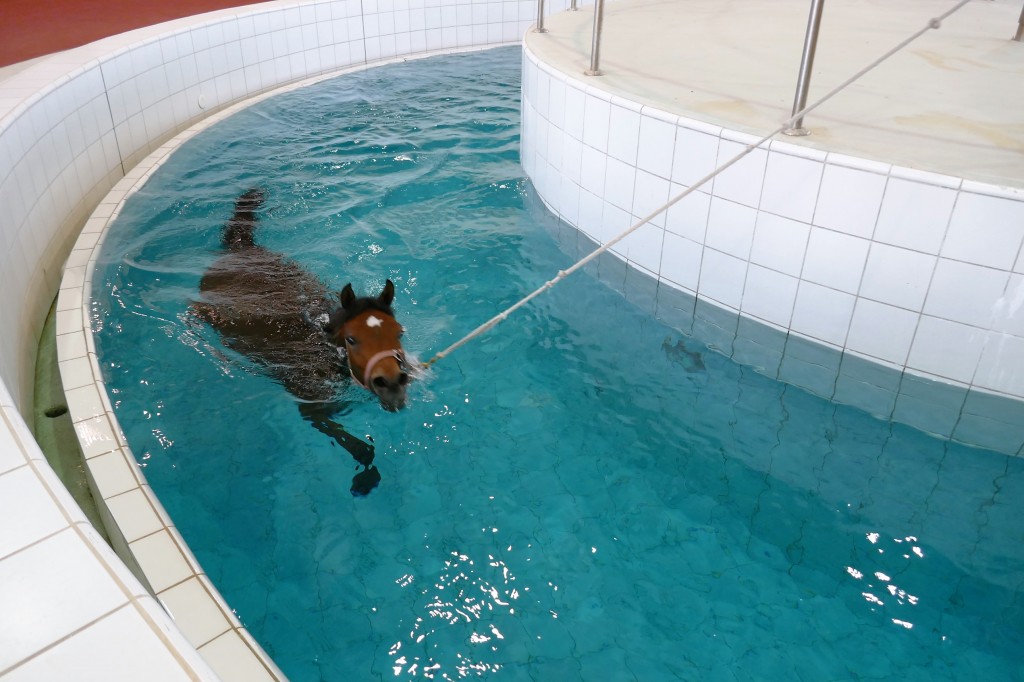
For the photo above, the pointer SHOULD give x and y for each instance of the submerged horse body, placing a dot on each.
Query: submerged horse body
(269, 309)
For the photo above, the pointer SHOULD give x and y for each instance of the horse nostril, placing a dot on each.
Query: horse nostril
(383, 382)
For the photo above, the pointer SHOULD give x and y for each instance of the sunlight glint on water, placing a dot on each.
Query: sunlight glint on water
(583, 493)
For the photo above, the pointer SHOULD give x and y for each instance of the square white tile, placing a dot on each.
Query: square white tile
(688, 217)
(230, 657)
(882, 331)
(966, 293)
(696, 154)
(56, 587)
(681, 261)
(897, 276)
(112, 474)
(1001, 367)
(569, 201)
(779, 243)
(769, 295)
(1008, 315)
(731, 228)
(556, 102)
(623, 134)
(591, 212)
(656, 146)
(822, 313)
(849, 200)
(575, 101)
(914, 215)
(161, 560)
(134, 515)
(619, 183)
(614, 221)
(791, 186)
(722, 278)
(572, 157)
(592, 170)
(946, 349)
(24, 498)
(193, 608)
(554, 145)
(596, 117)
(742, 181)
(985, 230)
(835, 259)
(141, 654)
(643, 247)
(650, 193)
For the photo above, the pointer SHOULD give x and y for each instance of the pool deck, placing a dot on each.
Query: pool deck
(950, 104)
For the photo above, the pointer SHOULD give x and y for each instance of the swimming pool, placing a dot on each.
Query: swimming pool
(583, 493)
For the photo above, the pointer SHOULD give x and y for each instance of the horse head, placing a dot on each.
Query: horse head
(366, 328)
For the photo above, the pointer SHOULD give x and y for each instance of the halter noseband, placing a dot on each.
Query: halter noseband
(396, 353)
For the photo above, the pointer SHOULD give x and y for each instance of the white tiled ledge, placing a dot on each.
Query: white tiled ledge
(66, 596)
(889, 266)
(71, 125)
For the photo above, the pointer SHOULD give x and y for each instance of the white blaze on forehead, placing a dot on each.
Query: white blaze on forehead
(373, 321)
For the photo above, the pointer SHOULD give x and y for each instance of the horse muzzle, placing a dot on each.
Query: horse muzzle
(388, 381)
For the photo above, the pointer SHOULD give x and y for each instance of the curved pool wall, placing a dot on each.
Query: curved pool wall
(895, 290)
(72, 126)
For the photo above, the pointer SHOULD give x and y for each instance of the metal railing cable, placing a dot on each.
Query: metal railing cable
(933, 23)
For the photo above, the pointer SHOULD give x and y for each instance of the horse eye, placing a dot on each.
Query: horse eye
(350, 340)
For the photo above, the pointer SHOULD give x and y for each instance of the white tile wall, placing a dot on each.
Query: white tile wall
(70, 128)
(65, 143)
(900, 269)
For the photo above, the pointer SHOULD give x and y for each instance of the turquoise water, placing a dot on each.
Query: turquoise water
(582, 494)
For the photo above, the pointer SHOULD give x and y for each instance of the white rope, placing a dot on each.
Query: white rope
(562, 274)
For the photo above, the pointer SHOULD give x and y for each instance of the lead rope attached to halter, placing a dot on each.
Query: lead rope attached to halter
(933, 23)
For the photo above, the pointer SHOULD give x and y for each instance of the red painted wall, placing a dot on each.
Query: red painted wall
(33, 28)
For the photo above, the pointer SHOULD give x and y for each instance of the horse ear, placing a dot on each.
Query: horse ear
(388, 295)
(347, 296)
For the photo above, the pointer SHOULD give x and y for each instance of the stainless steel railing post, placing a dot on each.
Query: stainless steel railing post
(803, 83)
(540, 18)
(595, 45)
(573, 7)
(1020, 27)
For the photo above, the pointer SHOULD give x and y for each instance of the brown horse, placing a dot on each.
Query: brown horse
(283, 318)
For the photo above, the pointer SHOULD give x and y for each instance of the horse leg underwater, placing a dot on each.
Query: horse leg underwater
(265, 306)
(321, 416)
